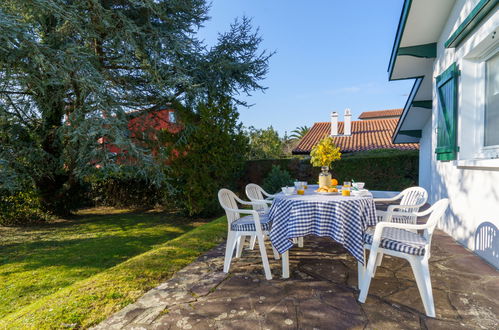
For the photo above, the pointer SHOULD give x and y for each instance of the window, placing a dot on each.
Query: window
(491, 122)
(171, 117)
(447, 84)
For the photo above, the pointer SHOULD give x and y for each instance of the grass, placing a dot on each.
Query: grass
(76, 273)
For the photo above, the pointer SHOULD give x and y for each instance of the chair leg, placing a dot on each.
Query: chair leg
(300, 241)
(368, 275)
(252, 242)
(421, 272)
(361, 270)
(229, 249)
(240, 243)
(285, 264)
(379, 258)
(265, 260)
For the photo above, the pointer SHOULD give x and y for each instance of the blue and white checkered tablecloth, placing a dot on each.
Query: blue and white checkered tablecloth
(343, 219)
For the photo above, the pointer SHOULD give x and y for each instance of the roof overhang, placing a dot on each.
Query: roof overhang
(414, 51)
(415, 45)
(417, 111)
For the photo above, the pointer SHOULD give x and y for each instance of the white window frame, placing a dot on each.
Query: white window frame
(477, 58)
(473, 154)
(496, 146)
(484, 152)
(171, 115)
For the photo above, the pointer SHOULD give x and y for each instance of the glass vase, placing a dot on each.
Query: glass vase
(325, 177)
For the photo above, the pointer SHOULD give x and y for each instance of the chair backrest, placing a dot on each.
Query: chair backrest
(436, 211)
(227, 200)
(255, 193)
(416, 196)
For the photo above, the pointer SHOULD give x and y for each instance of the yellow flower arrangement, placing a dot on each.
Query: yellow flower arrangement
(325, 152)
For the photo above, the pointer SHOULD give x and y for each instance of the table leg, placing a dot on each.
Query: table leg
(300, 242)
(285, 264)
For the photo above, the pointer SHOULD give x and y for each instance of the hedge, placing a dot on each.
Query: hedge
(380, 170)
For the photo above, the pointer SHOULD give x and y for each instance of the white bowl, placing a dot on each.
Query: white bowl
(288, 190)
(359, 185)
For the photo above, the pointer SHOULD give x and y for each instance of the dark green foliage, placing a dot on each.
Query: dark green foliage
(276, 179)
(71, 70)
(121, 192)
(380, 170)
(21, 208)
(210, 156)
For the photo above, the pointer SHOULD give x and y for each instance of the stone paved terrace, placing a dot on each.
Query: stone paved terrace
(320, 294)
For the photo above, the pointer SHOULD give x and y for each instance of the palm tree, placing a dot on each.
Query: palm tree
(299, 132)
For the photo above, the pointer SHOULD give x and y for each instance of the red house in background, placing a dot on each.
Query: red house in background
(143, 124)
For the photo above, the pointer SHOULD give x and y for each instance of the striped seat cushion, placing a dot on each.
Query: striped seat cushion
(398, 240)
(248, 224)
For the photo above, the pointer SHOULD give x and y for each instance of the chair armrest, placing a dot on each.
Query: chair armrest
(386, 200)
(254, 202)
(381, 225)
(268, 195)
(243, 211)
(263, 201)
(392, 208)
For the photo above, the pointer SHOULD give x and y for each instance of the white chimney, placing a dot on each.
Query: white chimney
(347, 123)
(334, 123)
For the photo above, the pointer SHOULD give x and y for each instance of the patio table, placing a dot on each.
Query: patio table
(342, 218)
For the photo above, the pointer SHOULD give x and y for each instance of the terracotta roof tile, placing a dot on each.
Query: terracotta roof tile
(366, 135)
(380, 114)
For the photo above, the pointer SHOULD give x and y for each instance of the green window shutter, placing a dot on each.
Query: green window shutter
(447, 85)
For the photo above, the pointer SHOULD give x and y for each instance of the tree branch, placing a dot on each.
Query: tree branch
(15, 93)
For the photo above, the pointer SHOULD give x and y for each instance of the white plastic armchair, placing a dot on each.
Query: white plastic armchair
(403, 240)
(256, 193)
(254, 224)
(411, 200)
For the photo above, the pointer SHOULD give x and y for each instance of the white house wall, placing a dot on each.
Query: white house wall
(473, 190)
(425, 156)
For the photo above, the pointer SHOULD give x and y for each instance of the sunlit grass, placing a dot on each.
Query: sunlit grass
(79, 271)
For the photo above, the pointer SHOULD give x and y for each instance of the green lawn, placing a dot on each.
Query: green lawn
(77, 272)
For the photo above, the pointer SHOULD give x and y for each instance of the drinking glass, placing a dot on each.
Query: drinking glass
(345, 189)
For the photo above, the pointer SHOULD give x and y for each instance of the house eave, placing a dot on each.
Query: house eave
(413, 118)
(415, 45)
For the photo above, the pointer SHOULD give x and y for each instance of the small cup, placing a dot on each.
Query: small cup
(359, 185)
(288, 190)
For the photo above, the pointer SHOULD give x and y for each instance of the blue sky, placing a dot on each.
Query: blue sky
(330, 55)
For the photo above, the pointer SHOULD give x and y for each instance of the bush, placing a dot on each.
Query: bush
(120, 192)
(21, 208)
(379, 169)
(276, 179)
(211, 150)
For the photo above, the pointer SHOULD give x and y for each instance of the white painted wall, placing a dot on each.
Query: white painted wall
(425, 157)
(472, 181)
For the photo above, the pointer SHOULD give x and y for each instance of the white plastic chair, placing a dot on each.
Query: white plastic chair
(256, 193)
(254, 224)
(397, 239)
(411, 199)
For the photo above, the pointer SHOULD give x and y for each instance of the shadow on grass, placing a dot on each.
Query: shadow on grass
(37, 261)
(95, 252)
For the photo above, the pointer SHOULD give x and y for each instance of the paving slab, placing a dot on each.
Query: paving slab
(321, 293)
